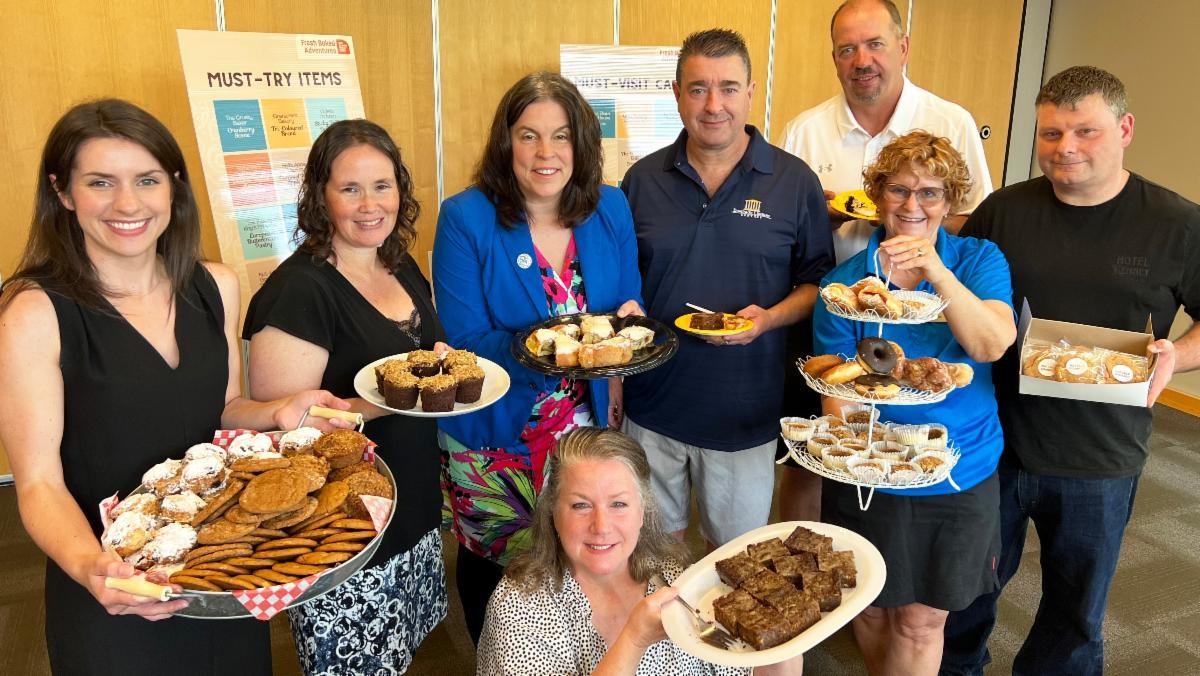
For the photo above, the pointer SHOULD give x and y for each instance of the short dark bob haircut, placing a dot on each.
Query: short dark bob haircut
(314, 228)
(494, 175)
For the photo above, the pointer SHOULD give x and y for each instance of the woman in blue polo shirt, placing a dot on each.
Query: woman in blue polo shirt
(939, 544)
(511, 251)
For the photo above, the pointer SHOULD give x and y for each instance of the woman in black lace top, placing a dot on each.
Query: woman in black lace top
(349, 295)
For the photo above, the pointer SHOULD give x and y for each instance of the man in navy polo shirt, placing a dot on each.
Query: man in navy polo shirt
(729, 222)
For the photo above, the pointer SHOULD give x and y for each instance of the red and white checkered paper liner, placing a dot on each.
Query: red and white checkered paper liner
(266, 602)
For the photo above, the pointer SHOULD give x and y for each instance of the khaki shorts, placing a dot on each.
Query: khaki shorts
(733, 488)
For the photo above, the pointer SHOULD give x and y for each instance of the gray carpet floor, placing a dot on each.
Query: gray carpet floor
(1152, 628)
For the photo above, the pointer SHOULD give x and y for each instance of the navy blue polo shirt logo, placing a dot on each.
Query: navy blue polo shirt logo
(752, 209)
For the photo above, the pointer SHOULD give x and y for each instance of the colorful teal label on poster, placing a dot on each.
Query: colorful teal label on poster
(240, 125)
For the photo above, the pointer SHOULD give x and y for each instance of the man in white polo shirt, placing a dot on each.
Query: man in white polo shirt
(841, 136)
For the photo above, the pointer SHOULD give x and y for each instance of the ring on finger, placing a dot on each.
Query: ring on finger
(920, 252)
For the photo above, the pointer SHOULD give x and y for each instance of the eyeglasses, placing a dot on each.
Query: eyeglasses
(926, 197)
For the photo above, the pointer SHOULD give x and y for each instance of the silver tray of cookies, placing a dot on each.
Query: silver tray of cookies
(240, 538)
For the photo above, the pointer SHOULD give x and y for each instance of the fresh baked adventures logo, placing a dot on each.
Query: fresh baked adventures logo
(752, 209)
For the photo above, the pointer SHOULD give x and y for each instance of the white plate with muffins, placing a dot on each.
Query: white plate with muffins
(423, 384)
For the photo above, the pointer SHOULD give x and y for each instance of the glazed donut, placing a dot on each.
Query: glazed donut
(815, 366)
(876, 386)
(897, 349)
(868, 283)
(1124, 368)
(962, 374)
(876, 355)
(842, 373)
(927, 374)
(882, 301)
(841, 296)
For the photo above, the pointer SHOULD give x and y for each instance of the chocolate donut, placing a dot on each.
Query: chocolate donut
(876, 355)
(876, 386)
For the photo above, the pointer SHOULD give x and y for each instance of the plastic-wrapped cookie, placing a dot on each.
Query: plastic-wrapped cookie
(797, 429)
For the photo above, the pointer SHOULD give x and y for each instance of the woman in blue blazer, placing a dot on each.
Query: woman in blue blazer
(512, 251)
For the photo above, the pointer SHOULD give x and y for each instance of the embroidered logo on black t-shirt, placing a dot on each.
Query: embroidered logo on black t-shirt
(1132, 267)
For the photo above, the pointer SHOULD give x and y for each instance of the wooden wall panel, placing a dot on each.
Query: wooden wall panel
(966, 51)
(61, 53)
(804, 70)
(394, 41)
(486, 47)
(668, 22)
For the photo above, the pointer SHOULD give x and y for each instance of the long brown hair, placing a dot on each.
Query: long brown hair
(494, 175)
(545, 561)
(54, 253)
(314, 228)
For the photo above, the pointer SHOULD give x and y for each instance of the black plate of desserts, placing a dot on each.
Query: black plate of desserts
(605, 358)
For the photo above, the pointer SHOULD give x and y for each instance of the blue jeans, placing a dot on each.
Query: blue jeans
(1080, 523)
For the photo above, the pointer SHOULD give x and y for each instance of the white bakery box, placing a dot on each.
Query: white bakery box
(1131, 342)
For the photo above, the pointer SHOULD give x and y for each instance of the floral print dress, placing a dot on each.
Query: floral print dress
(490, 492)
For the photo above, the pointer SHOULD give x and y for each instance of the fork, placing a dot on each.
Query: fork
(709, 632)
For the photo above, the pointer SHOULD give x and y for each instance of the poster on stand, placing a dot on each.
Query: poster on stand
(259, 100)
(630, 90)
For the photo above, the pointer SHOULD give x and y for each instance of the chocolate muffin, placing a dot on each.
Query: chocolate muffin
(425, 363)
(437, 393)
(458, 358)
(400, 389)
(470, 382)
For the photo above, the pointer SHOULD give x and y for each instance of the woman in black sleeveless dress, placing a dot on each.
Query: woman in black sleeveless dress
(352, 294)
(115, 353)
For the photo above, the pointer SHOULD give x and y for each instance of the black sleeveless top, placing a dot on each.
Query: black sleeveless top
(126, 409)
(315, 303)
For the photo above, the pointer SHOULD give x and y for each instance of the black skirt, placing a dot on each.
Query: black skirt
(940, 550)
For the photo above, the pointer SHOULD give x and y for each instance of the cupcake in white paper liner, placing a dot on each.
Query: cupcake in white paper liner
(840, 432)
(819, 443)
(859, 416)
(911, 435)
(889, 450)
(938, 436)
(934, 462)
(875, 432)
(837, 458)
(797, 429)
(868, 470)
(903, 473)
(855, 446)
(832, 422)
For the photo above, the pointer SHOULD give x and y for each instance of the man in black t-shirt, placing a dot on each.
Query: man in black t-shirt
(1092, 243)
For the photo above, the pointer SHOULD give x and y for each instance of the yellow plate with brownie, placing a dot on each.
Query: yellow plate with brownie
(495, 383)
(699, 585)
(732, 324)
(855, 204)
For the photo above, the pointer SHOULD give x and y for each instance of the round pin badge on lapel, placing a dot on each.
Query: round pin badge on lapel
(524, 261)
